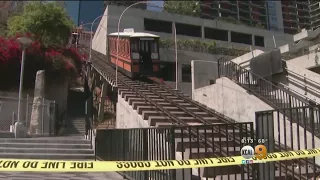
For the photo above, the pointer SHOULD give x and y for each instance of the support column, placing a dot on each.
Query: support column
(202, 32)
(253, 41)
(37, 120)
(103, 95)
(229, 36)
(179, 72)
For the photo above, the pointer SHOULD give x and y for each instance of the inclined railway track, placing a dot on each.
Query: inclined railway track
(150, 94)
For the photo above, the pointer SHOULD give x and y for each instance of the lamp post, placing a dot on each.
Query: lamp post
(25, 43)
(91, 35)
(118, 39)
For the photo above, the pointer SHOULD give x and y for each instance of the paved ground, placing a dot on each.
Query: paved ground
(58, 176)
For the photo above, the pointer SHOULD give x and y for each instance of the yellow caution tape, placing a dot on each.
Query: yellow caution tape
(25, 165)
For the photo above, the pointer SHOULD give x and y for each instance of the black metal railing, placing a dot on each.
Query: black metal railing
(266, 90)
(271, 94)
(285, 134)
(177, 143)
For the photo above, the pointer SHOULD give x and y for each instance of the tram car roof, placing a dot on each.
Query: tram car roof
(133, 34)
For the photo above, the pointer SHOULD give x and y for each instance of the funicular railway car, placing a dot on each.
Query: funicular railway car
(138, 53)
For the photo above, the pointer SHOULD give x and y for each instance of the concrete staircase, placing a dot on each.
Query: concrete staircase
(60, 148)
(188, 146)
(75, 126)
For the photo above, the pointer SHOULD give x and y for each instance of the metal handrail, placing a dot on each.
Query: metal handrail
(303, 77)
(257, 77)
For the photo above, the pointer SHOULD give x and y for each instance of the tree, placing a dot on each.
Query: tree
(191, 8)
(48, 21)
(15, 8)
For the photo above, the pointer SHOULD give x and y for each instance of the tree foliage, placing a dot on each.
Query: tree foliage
(48, 21)
(57, 62)
(190, 8)
(15, 9)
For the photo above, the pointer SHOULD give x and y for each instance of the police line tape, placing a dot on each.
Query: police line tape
(24, 165)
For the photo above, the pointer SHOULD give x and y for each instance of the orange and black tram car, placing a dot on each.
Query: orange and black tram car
(138, 53)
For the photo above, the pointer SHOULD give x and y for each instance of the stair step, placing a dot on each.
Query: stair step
(46, 145)
(46, 156)
(46, 150)
(44, 140)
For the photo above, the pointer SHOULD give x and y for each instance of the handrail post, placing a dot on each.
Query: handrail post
(248, 79)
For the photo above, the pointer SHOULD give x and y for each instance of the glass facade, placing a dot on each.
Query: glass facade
(272, 12)
(84, 12)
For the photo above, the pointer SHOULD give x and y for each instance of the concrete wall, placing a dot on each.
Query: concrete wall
(127, 117)
(306, 61)
(184, 87)
(202, 72)
(99, 42)
(57, 92)
(134, 18)
(298, 84)
(185, 57)
(231, 100)
(244, 60)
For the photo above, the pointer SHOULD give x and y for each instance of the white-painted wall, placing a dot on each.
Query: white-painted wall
(230, 99)
(127, 117)
(233, 101)
(298, 84)
(99, 42)
(306, 61)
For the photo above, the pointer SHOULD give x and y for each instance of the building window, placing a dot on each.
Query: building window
(186, 73)
(188, 30)
(216, 34)
(241, 38)
(259, 41)
(157, 25)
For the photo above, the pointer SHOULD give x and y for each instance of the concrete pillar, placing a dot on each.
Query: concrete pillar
(179, 72)
(103, 95)
(253, 41)
(36, 114)
(229, 36)
(202, 32)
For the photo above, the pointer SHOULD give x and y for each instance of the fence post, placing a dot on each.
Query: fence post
(219, 76)
(42, 116)
(27, 110)
(172, 146)
(265, 130)
(13, 119)
(145, 150)
(248, 79)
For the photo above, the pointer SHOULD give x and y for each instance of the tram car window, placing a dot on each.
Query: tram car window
(138, 53)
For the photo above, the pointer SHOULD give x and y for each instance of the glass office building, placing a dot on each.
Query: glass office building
(84, 12)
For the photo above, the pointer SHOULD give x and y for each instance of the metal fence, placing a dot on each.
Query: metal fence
(40, 110)
(180, 143)
(285, 133)
(106, 118)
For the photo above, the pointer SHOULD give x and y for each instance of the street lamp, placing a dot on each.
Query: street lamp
(25, 43)
(175, 39)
